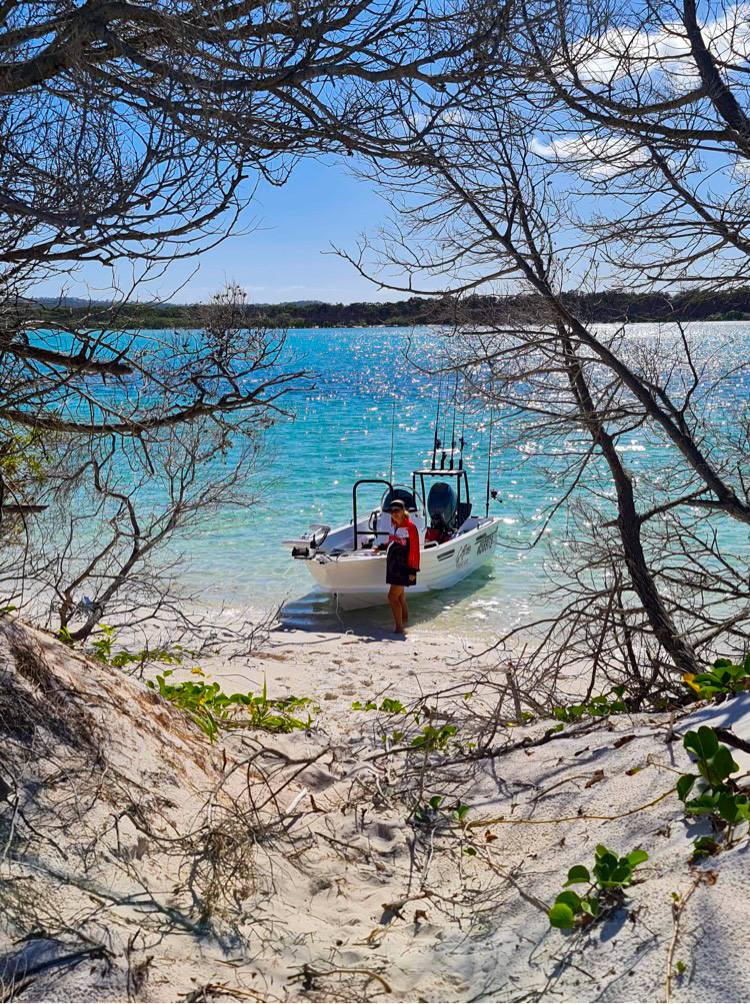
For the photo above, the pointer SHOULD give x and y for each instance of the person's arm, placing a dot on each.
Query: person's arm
(413, 558)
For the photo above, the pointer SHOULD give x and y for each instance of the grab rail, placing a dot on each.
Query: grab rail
(364, 481)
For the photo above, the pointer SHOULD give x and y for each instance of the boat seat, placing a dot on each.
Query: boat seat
(418, 521)
(383, 526)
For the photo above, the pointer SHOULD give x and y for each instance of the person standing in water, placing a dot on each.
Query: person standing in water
(402, 561)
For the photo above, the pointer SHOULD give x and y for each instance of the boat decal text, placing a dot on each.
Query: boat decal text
(462, 558)
(486, 542)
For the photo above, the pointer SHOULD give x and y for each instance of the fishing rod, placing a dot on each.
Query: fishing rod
(445, 426)
(436, 442)
(463, 430)
(393, 423)
(489, 460)
(453, 433)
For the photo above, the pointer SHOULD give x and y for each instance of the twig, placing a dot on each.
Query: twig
(565, 819)
(677, 909)
(727, 736)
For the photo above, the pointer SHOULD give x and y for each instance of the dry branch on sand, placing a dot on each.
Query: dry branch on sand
(139, 861)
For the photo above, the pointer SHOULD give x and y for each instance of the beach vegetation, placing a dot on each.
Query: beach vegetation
(712, 793)
(441, 808)
(101, 648)
(610, 875)
(595, 706)
(723, 679)
(430, 738)
(212, 710)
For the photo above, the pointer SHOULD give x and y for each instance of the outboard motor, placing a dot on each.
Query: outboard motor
(441, 505)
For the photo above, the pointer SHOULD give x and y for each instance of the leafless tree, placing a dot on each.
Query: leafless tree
(132, 137)
(652, 577)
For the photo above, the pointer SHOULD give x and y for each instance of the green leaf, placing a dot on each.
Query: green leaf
(569, 898)
(470, 850)
(727, 807)
(722, 764)
(590, 905)
(608, 862)
(637, 857)
(703, 742)
(578, 874)
(704, 846)
(622, 874)
(704, 803)
(561, 917)
(435, 801)
(684, 785)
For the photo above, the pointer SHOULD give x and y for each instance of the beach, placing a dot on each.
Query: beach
(360, 876)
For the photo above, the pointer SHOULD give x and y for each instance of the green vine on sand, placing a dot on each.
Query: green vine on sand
(713, 792)
(212, 710)
(605, 889)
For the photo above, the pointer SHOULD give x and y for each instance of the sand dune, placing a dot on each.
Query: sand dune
(141, 862)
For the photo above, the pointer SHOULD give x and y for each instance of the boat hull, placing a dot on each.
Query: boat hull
(358, 579)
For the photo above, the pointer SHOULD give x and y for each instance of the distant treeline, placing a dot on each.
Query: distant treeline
(608, 305)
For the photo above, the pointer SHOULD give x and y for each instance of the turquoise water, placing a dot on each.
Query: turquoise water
(342, 431)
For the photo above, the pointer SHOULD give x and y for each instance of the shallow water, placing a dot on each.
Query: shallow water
(342, 432)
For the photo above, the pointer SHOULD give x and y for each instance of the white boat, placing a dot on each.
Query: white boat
(346, 563)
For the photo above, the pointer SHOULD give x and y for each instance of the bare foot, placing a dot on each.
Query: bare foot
(398, 630)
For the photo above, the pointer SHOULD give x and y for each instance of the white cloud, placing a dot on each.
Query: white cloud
(593, 156)
(622, 55)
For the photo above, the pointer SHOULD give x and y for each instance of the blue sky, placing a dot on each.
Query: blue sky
(282, 258)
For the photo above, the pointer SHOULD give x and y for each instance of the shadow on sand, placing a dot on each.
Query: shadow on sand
(317, 611)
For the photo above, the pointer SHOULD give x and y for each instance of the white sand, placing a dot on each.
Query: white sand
(348, 899)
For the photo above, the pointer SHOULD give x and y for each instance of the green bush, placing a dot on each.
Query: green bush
(611, 874)
(712, 791)
(724, 677)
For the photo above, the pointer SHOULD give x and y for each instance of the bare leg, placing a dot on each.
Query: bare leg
(404, 607)
(394, 598)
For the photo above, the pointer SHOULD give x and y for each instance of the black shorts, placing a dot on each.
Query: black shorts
(397, 571)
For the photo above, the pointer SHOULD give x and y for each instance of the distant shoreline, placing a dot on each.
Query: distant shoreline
(608, 306)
